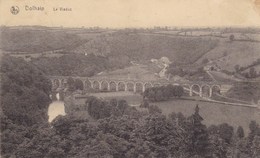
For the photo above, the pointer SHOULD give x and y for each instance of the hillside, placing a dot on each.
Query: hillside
(27, 40)
(227, 54)
(144, 46)
(247, 91)
(140, 72)
(139, 45)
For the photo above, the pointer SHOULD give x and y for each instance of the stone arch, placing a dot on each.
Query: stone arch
(206, 90)
(139, 87)
(195, 90)
(96, 85)
(148, 85)
(187, 89)
(130, 86)
(121, 86)
(104, 86)
(215, 89)
(87, 84)
(113, 86)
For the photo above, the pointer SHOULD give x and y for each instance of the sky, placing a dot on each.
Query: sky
(133, 13)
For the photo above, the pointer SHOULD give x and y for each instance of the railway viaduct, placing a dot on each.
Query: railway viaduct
(199, 88)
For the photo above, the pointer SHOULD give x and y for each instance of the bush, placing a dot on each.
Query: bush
(163, 93)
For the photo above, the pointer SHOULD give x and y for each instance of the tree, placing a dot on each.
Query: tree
(178, 91)
(43, 144)
(252, 72)
(240, 132)
(113, 102)
(256, 147)
(98, 108)
(254, 130)
(156, 132)
(24, 92)
(169, 91)
(179, 119)
(71, 84)
(122, 104)
(199, 140)
(226, 132)
(24, 105)
(78, 84)
(159, 95)
(218, 146)
(231, 37)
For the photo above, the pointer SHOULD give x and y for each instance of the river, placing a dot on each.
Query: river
(56, 108)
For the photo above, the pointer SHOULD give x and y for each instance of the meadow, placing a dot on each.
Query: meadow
(213, 113)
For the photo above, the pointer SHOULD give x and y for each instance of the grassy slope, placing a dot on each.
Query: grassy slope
(36, 41)
(238, 52)
(132, 72)
(147, 46)
(245, 91)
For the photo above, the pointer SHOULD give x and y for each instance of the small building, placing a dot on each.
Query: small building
(212, 67)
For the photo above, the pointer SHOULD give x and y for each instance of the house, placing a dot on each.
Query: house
(212, 66)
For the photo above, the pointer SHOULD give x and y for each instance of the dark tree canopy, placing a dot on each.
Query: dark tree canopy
(198, 135)
(24, 92)
(240, 132)
(163, 93)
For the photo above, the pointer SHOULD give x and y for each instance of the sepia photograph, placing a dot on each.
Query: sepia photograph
(130, 79)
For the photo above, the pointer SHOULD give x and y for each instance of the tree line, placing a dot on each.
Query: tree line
(163, 93)
(252, 73)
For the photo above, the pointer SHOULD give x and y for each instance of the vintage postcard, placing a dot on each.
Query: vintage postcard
(130, 78)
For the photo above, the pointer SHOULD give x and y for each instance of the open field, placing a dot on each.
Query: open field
(213, 113)
(140, 72)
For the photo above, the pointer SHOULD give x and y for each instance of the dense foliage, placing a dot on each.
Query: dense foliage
(190, 73)
(163, 92)
(24, 103)
(128, 132)
(24, 92)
